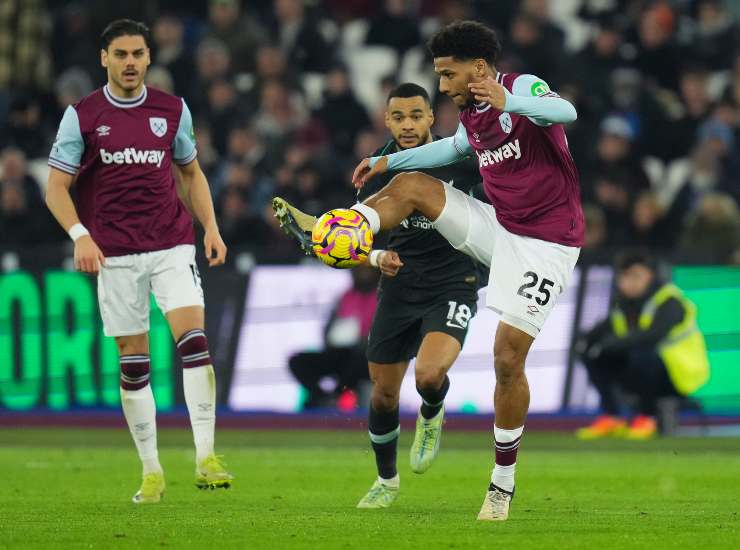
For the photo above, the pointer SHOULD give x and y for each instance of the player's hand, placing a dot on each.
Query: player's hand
(363, 172)
(214, 243)
(88, 257)
(389, 263)
(490, 91)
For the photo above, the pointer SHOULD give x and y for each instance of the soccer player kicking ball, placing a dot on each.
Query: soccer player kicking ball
(428, 294)
(130, 228)
(529, 235)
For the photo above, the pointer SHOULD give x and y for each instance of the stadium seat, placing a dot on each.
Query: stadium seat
(353, 34)
(415, 69)
(367, 67)
(313, 86)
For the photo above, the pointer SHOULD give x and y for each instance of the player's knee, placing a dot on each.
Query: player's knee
(193, 349)
(384, 399)
(508, 362)
(430, 377)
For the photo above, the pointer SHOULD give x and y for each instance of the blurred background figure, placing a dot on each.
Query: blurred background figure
(341, 367)
(649, 347)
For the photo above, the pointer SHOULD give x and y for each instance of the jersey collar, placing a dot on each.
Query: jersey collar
(124, 103)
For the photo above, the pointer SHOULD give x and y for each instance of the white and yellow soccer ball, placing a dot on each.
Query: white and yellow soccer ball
(342, 238)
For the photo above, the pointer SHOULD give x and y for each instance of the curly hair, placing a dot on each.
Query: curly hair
(466, 40)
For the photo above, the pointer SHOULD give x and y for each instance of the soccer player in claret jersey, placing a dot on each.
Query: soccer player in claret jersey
(530, 235)
(117, 146)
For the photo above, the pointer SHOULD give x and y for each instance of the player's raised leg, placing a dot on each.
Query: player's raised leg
(199, 385)
(139, 410)
(384, 427)
(511, 402)
(436, 355)
(405, 193)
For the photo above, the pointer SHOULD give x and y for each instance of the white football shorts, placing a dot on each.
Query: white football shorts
(527, 275)
(126, 282)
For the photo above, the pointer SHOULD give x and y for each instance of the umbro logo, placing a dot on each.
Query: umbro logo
(103, 130)
(476, 137)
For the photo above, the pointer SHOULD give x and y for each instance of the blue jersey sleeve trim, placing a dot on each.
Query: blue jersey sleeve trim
(183, 146)
(66, 152)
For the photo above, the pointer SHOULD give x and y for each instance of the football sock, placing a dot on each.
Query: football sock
(370, 214)
(433, 399)
(384, 428)
(507, 443)
(199, 385)
(137, 401)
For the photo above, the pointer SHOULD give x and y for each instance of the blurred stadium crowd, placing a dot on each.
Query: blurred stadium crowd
(288, 96)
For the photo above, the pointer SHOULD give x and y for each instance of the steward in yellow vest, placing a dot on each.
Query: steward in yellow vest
(648, 346)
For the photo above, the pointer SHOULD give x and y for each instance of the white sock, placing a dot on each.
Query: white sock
(503, 476)
(199, 384)
(370, 214)
(140, 412)
(394, 482)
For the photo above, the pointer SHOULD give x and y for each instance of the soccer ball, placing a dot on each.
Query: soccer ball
(342, 238)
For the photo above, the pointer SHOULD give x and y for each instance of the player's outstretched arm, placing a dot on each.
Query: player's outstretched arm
(197, 194)
(87, 256)
(438, 153)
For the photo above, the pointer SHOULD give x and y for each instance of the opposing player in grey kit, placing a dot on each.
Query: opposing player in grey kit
(117, 146)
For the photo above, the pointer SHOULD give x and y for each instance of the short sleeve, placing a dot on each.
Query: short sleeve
(183, 148)
(529, 85)
(66, 152)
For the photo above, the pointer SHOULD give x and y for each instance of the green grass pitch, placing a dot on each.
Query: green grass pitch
(72, 489)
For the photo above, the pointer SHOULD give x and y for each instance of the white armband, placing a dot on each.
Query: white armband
(76, 231)
(374, 257)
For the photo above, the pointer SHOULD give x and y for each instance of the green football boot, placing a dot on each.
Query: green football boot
(426, 441)
(152, 489)
(295, 223)
(211, 474)
(380, 495)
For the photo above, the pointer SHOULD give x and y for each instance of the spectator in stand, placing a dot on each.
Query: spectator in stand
(658, 58)
(715, 35)
(712, 233)
(170, 51)
(614, 178)
(341, 113)
(24, 220)
(652, 226)
(223, 109)
(341, 365)
(553, 35)
(280, 114)
(241, 34)
(160, 78)
(26, 128)
(271, 65)
(213, 62)
(528, 50)
(696, 104)
(300, 39)
(394, 27)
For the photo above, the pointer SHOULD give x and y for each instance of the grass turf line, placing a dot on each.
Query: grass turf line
(72, 488)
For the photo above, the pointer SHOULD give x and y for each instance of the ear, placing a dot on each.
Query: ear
(104, 58)
(480, 68)
(431, 118)
(387, 120)
(148, 57)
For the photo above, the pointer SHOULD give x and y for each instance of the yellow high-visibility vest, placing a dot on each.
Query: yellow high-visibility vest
(683, 351)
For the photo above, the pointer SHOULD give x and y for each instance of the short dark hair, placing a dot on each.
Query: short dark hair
(629, 258)
(409, 89)
(466, 40)
(123, 27)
